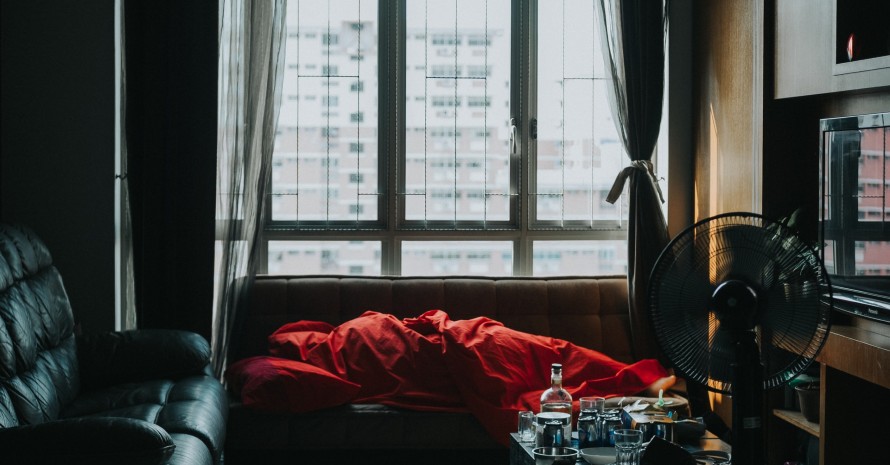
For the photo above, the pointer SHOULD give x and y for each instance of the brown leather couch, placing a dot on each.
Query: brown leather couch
(588, 311)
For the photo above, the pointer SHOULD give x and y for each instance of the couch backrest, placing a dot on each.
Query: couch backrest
(38, 357)
(588, 311)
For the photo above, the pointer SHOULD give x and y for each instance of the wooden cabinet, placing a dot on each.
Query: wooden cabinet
(854, 395)
(804, 53)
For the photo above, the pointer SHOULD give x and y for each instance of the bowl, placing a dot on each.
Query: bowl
(555, 455)
(712, 457)
(598, 455)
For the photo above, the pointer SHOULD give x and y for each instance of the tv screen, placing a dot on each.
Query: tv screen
(855, 210)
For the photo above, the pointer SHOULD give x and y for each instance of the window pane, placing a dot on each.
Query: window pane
(325, 163)
(855, 207)
(873, 190)
(457, 88)
(478, 258)
(872, 258)
(594, 258)
(828, 256)
(325, 257)
(578, 150)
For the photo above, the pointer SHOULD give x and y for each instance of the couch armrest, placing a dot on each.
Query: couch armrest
(91, 440)
(138, 355)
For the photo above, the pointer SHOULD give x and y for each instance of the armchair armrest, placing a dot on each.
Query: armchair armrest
(138, 355)
(89, 440)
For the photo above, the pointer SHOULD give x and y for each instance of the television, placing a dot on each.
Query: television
(854, 223)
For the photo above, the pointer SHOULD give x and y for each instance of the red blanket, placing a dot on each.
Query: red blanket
(433, 363)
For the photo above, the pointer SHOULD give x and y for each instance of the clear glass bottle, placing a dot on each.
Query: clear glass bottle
(556, 399)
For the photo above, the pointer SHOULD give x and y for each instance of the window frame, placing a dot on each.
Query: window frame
(390, 228)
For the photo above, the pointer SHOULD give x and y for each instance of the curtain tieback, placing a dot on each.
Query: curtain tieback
(618, 185)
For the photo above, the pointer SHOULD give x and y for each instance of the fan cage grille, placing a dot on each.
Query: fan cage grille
(792, 315)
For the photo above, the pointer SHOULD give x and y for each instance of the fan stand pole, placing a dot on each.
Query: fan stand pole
(747, 402)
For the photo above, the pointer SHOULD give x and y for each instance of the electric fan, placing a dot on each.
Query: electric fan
(740, 304)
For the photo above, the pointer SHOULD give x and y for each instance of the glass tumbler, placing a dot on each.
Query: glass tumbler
(526, 426)
(627, 446)
(592, 404)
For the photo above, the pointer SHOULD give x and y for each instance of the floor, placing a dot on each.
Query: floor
(412, 457)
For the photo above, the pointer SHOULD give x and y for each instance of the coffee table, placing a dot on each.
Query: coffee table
(521, 452)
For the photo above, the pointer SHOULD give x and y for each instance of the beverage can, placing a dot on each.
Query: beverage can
(551, 435)
(608, 425)
(547, 422)
(587, 430)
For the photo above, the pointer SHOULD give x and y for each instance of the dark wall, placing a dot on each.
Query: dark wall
(171, 131)
(57, 156)
(57, 162)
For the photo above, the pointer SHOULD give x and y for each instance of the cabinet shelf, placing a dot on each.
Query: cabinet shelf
(797, 419)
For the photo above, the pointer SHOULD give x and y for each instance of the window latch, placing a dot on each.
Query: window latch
(514, 137)
(533, 128)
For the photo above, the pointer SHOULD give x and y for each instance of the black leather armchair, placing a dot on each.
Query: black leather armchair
(135, 397)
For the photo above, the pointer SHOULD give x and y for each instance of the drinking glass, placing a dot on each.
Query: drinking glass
(526, 426)
(592, 404)
(627, 446)
(588, 421)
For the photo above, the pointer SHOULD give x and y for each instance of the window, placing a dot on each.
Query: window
(425, 179)
(856, 196)
(330, 39)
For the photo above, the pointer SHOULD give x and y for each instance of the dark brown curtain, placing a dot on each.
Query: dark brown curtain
(171, 100)
(633, 38)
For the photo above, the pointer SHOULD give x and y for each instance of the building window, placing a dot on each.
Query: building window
(437, 189)
(478, 101)
(330, 39)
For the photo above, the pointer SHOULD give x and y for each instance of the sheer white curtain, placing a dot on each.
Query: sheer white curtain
(633, 40)
(251, 64)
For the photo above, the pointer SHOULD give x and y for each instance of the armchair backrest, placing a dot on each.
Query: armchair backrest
(38, 356)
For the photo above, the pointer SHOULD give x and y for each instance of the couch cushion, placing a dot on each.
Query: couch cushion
(38, 363)
(141, 401)
(189, 406)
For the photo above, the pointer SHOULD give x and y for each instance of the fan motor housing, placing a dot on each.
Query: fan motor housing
(735, 304)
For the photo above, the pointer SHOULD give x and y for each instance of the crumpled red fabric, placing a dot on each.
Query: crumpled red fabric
(477, 365)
